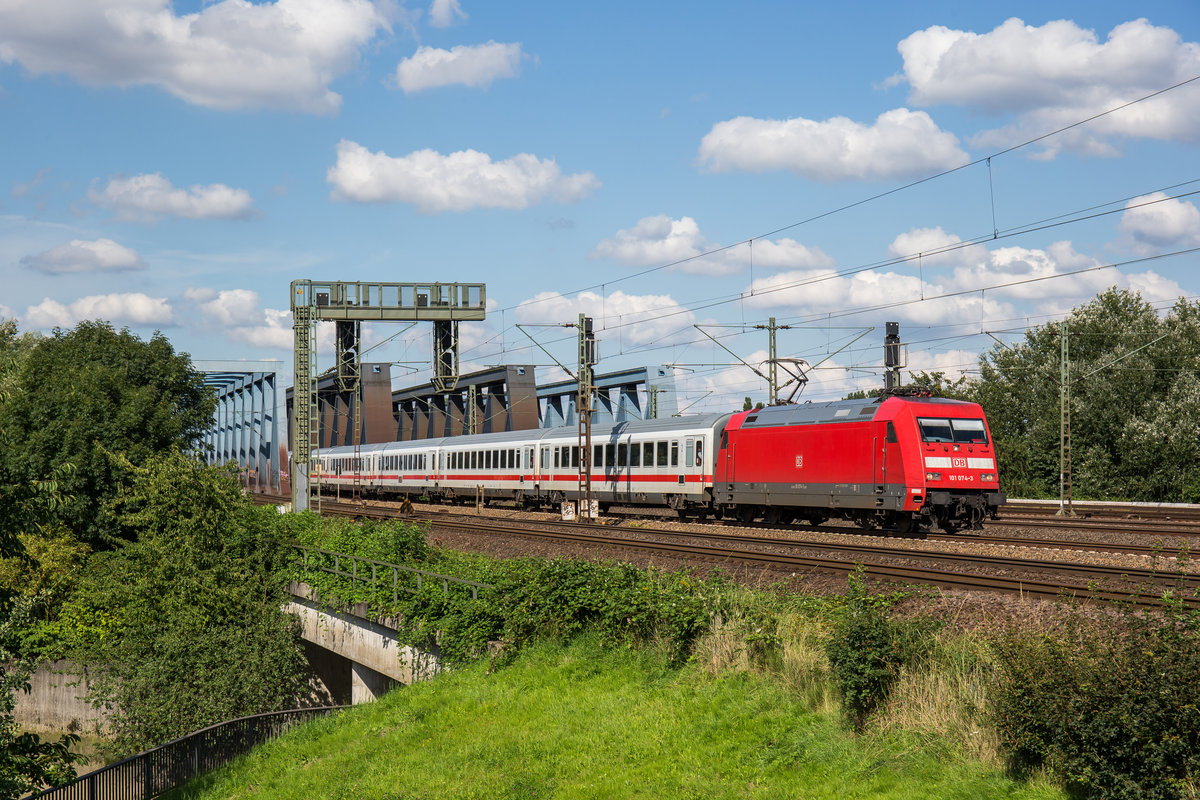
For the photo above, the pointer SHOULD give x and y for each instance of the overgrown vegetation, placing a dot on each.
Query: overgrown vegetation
(531, 599)
(1110, 705)
(868, 649)
(191, 630)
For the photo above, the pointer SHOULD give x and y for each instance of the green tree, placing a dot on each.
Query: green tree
(1129, 395)
(80, 396)
(27, 762)
(196, 594)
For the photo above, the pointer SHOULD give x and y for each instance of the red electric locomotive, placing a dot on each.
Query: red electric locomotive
(900, 461)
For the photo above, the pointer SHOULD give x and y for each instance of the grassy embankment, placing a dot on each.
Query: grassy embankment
(583, 721)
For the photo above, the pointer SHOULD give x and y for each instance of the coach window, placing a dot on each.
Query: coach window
(635, 454)
(662, 454)
(647, 454)
(610, 456)
(575, 456)
(674, 454)
(699, 454)
(598, 456)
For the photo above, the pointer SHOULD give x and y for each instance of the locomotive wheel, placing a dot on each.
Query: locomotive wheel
(772, 516)
(746, 513)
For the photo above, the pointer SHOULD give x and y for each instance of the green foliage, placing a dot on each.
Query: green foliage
(392, 541)
(80, 396)
(868, 648)
(27, 762)
(1135, 433)
(531, 599)
(1111, 708)
(187, 614)
(937, 384)
(749, 405)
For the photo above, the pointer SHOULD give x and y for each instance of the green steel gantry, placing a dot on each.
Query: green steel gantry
(348, 304)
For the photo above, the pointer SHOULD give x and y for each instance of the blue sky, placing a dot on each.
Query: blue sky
(174, 166)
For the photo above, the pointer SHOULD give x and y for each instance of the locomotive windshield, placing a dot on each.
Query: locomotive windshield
(958, 431)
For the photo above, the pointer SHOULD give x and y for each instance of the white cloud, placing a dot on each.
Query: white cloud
(444, 13)
(101, 255)
(238, 313)
(952, 363)
(900, 144)
(618, 317)
(145, 198)
(1056, 74)
(1155, 221)
(457, 182)
(231, 54)
(470, 65)
(933, 247)
(982, 289)
(660, 240)
(131, 308)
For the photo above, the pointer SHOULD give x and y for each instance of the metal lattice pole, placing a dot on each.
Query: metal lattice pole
(583, 405)
(1064, 426)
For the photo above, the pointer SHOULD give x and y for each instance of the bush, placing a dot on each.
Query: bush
(868, 649)
(1110, 709)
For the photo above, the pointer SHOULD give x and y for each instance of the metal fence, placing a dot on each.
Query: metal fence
(173, 764)
(366, 570)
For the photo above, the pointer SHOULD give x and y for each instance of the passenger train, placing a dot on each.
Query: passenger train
(899, 462)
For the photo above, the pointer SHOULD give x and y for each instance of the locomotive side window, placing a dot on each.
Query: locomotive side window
(958, 431)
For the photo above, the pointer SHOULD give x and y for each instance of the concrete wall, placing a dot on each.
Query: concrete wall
(58, 702)
(374, 660)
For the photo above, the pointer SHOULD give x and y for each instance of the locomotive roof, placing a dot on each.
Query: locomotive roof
(827, 413)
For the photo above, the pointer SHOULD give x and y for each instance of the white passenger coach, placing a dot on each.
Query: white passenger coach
(653, 462)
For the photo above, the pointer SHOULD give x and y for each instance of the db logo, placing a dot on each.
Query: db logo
(799, 462)
(959, 463)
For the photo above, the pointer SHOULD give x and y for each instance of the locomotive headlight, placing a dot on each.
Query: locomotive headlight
(987, 477)
(933, 476)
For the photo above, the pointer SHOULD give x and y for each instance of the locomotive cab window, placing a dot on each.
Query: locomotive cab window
(957, 431)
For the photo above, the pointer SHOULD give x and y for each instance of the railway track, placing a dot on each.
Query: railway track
(1157, 548)
(1023, 576)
